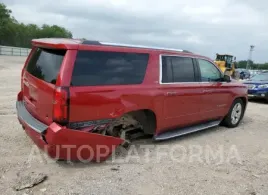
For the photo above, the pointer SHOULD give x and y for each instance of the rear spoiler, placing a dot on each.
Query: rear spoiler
(57, 43)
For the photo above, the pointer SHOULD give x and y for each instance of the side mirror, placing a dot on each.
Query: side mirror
(226, 78)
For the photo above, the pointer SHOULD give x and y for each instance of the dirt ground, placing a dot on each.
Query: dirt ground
(216, 161)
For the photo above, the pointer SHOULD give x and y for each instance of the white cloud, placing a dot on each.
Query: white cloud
(205, 27)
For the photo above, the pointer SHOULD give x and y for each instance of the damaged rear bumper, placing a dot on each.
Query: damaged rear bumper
(66, 144)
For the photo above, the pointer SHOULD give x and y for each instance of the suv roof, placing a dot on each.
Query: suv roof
(73, 44)
(76, 44)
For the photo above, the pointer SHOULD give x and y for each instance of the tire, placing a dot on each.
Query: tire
(235, 114)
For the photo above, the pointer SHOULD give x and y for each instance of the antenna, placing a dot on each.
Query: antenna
(250, 56)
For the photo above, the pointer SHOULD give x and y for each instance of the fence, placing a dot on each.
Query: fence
(14, 51)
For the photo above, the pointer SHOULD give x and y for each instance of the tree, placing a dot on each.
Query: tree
(242, 64)
(252, 65)
(5, 19)
(13, 33)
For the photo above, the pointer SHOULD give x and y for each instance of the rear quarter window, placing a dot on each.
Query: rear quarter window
(95, 68)
(45, 64)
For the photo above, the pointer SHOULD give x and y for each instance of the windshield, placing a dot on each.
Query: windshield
(229, 59)
(220, 58)
(260, 77)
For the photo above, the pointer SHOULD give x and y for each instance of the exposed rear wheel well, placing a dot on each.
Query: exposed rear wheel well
(146, 118)
(133, 125)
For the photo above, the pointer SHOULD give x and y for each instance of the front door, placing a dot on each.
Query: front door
(215, 93)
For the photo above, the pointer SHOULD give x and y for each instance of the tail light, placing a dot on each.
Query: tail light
(61, 105)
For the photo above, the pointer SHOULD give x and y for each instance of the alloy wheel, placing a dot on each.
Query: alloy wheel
(236, 113)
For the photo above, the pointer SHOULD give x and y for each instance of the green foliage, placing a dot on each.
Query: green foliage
(13, 33)
(252, 65)
(242, 64)
(261, 66)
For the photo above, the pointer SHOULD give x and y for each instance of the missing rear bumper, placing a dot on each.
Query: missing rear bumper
(67, 144)
(28, 119)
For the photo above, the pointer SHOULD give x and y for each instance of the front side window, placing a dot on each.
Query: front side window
(177, 69)
(209, 72)
(95, 68)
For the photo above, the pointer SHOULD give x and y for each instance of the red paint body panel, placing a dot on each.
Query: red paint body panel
(182, 108)
(62, 143)
(110, 102)
(65, 74)
(174, 105)
(217, 102)
(38, 96)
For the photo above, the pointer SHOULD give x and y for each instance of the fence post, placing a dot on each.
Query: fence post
(12, 51)
(20, 51)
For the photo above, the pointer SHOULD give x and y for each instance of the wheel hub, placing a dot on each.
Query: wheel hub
(236, 113)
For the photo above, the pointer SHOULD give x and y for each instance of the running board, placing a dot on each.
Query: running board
(185, 130)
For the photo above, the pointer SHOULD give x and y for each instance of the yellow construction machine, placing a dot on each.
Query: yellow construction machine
(226, 63)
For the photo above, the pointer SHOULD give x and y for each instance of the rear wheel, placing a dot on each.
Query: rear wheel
(235, 114)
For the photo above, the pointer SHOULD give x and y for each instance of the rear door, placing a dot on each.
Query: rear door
(181, 90)
(215, 92)
(102, 82)
(38, 82)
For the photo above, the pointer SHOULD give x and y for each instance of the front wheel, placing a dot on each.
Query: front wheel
(235, 114)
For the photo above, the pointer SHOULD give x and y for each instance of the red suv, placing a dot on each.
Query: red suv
(81, 99)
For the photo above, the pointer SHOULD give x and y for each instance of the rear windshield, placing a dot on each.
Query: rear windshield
(45, 64)
(94, 68)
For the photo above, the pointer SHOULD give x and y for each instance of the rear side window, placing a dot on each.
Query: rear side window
(94, 68)
(167, 70)
(177, 69)
(45, 64)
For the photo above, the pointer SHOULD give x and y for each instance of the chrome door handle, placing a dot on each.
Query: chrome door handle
(207, 91)
(170, 93)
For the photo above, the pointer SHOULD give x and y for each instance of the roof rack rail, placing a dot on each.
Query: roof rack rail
(186, 51)
(90, 42)
(140, 46)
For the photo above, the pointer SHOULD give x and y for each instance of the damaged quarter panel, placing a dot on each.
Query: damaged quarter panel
(104, 103)
(129, 86)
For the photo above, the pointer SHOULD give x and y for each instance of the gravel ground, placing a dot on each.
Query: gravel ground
(216, 161)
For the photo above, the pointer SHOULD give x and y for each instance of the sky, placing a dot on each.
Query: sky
(205, 27)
